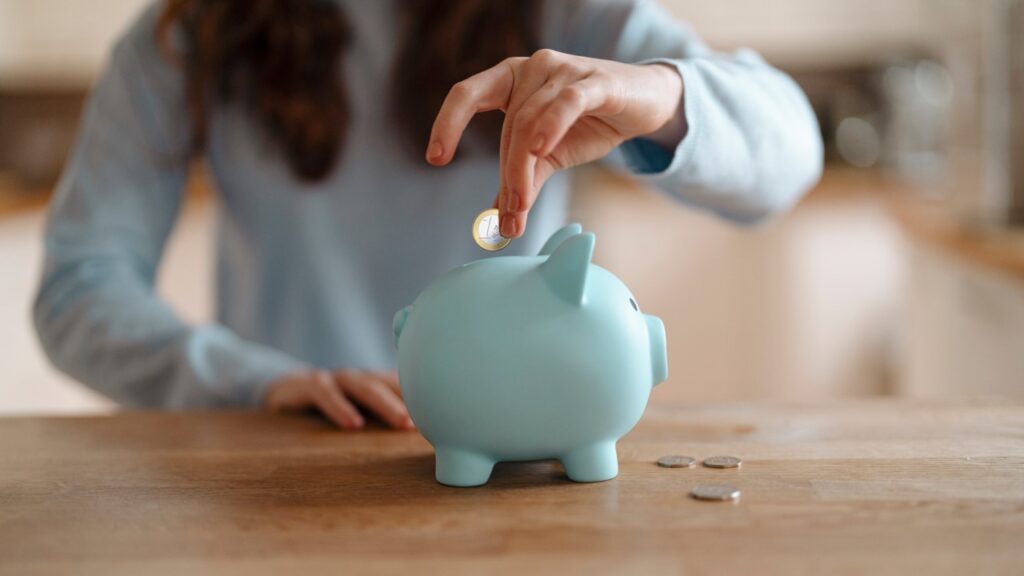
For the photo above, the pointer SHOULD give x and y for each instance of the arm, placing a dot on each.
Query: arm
(728, 134)
(96, 312)
(744, 142)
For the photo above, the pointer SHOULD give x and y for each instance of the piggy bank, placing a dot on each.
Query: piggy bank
(526, 358)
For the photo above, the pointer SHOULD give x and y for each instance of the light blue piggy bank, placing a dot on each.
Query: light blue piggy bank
(527, 358)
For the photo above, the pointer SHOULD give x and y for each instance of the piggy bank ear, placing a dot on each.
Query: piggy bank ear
(565, 271)
(563, 234)
(398, 324)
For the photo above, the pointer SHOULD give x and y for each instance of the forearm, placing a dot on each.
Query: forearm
(100, 323)
(751, 147)
(742, 141)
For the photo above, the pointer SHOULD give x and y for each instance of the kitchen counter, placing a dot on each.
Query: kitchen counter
(933, 225)
(854, 487)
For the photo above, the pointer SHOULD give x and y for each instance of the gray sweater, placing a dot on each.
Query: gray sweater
(310, 275)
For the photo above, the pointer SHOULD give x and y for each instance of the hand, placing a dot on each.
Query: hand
(337, 394)
(560, 111)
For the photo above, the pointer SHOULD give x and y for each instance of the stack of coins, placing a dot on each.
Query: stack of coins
(674, 461)
(715, 492)
(707, 492)
(723, 462)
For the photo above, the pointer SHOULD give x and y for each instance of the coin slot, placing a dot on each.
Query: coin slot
(633, 303)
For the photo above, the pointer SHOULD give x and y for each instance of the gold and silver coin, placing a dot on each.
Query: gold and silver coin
(486, 233)
(723, 462)
(715, 492)
(675, 461)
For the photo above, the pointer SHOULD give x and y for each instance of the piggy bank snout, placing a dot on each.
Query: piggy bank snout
(659, 356)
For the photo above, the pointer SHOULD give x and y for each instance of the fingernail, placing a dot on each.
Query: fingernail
(538, 143)
(512, 202)
(435, 150)
(508, 227)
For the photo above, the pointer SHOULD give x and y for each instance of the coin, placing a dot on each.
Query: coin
(723, 462)
(715, 492)
(674, 461)
(486, 233)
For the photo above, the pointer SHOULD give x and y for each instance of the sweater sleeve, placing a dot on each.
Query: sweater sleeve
(752, 146)
(96, 312)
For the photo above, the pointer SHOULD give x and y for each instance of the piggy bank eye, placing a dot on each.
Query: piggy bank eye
(633, 303)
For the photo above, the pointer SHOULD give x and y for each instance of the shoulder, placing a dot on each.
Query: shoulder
(143, 79)
(142, 38)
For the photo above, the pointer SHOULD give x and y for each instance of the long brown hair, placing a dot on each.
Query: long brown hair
(280, 59)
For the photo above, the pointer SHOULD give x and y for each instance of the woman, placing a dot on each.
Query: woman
(306, 112)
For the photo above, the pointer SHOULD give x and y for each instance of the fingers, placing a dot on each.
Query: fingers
(544, 97)
(330, 400)
(500, 201)
(391, 380)
(514, 224)
(539, 126)
(519, 189)
(333, 395)
(517, 173)
(482, 92)
(544, 169)
(520, 171)
(550, 125)
(376, 396)
(288, 393)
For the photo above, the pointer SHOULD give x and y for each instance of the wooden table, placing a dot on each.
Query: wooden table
(860, 487)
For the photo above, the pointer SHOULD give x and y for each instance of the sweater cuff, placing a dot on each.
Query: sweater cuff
(234, 369)
(646, 158)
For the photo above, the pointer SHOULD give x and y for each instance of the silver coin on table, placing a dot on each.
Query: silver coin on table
(723, 462)
(715, 492)
(486, 233)
(675, 461)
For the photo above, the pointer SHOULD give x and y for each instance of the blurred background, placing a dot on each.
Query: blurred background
(902, 273)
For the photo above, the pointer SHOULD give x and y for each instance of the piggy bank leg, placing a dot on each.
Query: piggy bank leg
(592, 463)
(458, 467)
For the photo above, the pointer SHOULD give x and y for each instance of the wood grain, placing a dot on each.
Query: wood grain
(860, 487)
